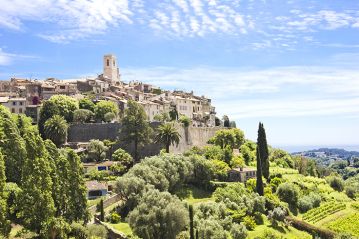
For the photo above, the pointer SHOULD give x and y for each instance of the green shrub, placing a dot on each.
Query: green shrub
(83, 116)
(78, 231)
(336, 183)
(114, 218)
(288, 193)
(249, 222)
(97, 231)
(351, 191)
(109, 117)
(238, 231)
(184, 120)
(308, 202)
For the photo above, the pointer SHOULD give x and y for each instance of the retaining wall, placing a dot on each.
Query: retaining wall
(190, 136)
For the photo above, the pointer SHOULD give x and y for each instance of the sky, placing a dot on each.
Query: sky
(291, 64)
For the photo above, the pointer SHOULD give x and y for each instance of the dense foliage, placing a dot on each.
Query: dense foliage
(45, 190)
(135, 127)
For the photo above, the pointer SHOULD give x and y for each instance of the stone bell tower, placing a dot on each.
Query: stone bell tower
(110, 69)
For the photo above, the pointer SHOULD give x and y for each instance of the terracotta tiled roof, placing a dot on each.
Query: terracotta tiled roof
(95, 185)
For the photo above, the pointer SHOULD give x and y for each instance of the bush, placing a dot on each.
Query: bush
(114, 218)
(275, 182)
(109, 117)
(237, 162)
(288, 192)
(249, 222)
(124, 159)
(162, 214)
(103, 107)
(351, 191)
(83, 116)
(97, 231)
(78, 231)
(220, 169)
(238, 231)
(184, 120)
(336, 183)
(308, 202)
(87, 104)
(277, 215)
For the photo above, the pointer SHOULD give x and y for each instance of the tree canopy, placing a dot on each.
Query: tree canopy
(168, 135)
(135, 127)
(56, 130)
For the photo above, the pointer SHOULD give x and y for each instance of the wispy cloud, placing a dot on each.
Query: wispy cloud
(7, 58)
(272, 92)
(72, 19)
(325, 19)
(68, 20)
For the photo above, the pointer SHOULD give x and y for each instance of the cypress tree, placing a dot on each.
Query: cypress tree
(4, 223)
(262, 147)
(102, 211)
(37, 205)
(12, 146)
(259, 184)
(77, 190)
(191, 227)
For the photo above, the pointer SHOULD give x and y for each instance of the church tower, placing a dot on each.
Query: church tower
(110, 69)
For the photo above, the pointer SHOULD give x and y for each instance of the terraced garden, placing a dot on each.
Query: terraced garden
(348, 224)
(316, 214)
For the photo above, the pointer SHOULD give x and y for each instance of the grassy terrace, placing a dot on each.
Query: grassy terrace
(121, 227)
(281, 232)
(193, 195)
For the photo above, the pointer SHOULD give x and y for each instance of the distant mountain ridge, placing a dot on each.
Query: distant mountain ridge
(328, 155)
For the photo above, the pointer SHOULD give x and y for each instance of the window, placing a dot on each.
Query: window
(20, 111)
(97, 193)
(21, 103)
(108, 62)
(114, 63)
(12, 110)
(14, 103)
(62, 87)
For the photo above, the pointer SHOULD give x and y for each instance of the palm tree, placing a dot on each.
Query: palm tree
(56, 130)
(167, 134)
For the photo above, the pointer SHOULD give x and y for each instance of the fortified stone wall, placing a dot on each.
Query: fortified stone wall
(191, 136)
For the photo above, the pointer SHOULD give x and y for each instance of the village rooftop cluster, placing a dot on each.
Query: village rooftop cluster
(24, 96)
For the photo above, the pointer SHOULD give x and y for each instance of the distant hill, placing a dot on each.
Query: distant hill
(328, 155)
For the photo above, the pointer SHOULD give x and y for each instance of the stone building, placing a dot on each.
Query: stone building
(241, 174)
(110, 69)
(15, 105)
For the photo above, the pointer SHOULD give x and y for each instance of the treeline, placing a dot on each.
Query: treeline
(41, 186)
(154, 211)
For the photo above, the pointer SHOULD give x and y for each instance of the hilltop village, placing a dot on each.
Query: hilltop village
(100, 158)
(24, 96)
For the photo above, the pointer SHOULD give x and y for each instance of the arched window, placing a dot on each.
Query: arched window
(108, 62)
(114, 63)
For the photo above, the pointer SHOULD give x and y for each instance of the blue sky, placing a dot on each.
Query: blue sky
(293, 65)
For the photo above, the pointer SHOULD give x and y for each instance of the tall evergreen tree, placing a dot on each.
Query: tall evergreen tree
(77, 189)
(135, 127)
(262, 147)
(4, 223)
(12, 146)
(259, 184)
(37, 205)
(60, 178)
(101, 211)
(191, 226)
